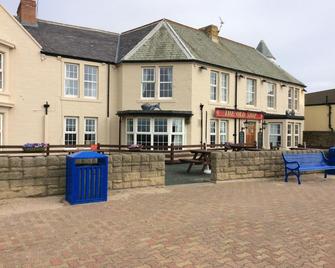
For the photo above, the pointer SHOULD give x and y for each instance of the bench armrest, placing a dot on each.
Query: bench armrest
(292, 162)
(325, 157)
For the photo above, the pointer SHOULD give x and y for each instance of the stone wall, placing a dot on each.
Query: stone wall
(247, 165)
(319, 139)
(26, 176)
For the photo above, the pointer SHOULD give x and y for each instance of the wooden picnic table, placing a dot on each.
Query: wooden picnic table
(200, 157)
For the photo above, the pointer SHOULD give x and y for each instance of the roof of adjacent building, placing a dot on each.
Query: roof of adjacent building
(320, 97)
(263, 48)
(162, 40)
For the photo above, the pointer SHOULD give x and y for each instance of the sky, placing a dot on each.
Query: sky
(300, 34)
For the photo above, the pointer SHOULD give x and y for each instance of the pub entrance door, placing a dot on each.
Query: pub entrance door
(251, 133)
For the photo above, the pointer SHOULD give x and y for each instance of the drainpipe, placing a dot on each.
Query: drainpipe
(329, 115)
(201, 122)
(108, 85)
(235, 106)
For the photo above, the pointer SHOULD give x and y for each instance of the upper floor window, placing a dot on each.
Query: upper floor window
(290, 98)
(224, 87)
(213, 85)
(251, 92)
(148, 82)
(165, 82)
(296, 99)
(90, 133)
(271, 98)
(90, 81)
(71, 130)
(71, 80)
(1, 71)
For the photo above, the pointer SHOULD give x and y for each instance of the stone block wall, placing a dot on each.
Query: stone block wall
(247, 165)
(131, 170)
(25, 176)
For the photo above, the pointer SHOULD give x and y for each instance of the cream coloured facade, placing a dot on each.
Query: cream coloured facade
(90, 99)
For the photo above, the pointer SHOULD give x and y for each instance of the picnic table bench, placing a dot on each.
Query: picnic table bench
(200, 157)
(300, 162)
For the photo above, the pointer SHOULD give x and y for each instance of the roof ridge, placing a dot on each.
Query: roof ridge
(77, 27)
(141, 27)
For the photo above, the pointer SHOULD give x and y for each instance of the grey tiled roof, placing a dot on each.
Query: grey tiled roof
(263, 48)
(65, 40)
(320, 97)
(73, 41)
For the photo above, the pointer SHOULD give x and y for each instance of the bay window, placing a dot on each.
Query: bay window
(212, 131)
(213, 85)
(90, 81)
(165, 82)
(71, 130)
(148, 82)
(271, 97)
(224, 87)
(71, 80)
(275, 134)
(1, 71)
(158, 132)
(90, 133)
(251, 92)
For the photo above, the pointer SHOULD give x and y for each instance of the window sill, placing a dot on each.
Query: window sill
(4, 93)
(156, 100)
(73, 99)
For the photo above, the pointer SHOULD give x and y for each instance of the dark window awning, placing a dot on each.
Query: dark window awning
(283, 116)
(159, 113)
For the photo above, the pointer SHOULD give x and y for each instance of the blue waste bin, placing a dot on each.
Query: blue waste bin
(331, 160)
(86, 183)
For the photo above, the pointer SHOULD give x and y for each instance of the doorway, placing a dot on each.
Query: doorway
(251, 133)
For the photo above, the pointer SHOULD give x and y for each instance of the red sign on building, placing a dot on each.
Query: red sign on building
(227, 113)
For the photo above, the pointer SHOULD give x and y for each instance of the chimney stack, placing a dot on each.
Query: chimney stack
(212, 32)
(26, 12)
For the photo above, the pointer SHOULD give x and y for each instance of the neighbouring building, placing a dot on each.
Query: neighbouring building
(66, 84)
(320, 118)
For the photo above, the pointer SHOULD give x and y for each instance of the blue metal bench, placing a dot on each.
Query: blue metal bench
(297, 163)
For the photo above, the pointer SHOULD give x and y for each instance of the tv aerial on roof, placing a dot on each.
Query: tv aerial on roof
(221, 23)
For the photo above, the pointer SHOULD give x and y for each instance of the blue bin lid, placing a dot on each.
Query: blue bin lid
(87, 155)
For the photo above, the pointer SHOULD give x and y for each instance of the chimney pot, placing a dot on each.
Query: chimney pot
(26, 12)
(212, 32)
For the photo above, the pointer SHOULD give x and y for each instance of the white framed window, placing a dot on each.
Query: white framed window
(91, 74)
(275, 134)
(161, 137)
(289, 134)
(290, 98)
(148, 82)
(296, 134)
(70, 130)
(157, 132)
(223, 131)
(296, 99)
(90, 131)
(224, 87)
(251, 92)
(213, 85)
(165, 82)
(212, 131)
(130, 131)
(177, 137)
(71, 80)
(1, 129)
(2, 58)
(271, 97)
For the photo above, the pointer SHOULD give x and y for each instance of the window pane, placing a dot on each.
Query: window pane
(144, 139)
(71, 79)
(223, 131)
(271, 95)
(148, 82)
(165, 85)
(160, 125)
(213, 85)
(212, 132)
(275, 134)
(143, 125)
(130, 125)
(296, 99)
(224, 87)
(251, 92)
(161, 140)
(177, 139)
(130, 139)
(177, 125)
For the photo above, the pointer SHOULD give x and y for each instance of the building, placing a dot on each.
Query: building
(320, 118)
(66, 84)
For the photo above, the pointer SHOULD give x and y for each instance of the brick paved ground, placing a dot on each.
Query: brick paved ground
(251, 224)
